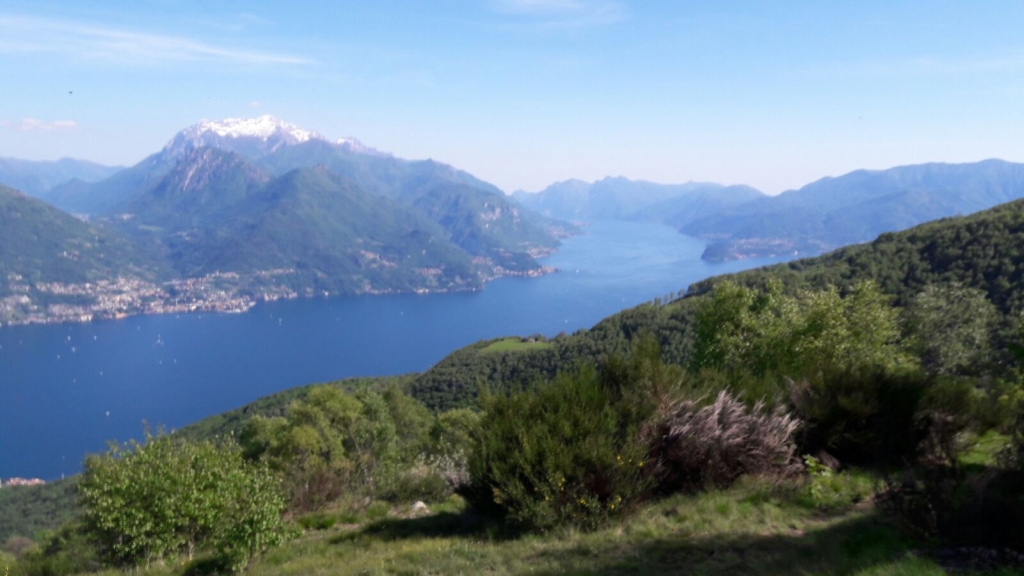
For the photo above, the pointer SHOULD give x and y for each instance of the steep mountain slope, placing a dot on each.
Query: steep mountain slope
(332, 234)
(35, 178)
(438, 191)
(857, 207)
(43, 244)
(203, 187)
(110, 194)
(621, 198)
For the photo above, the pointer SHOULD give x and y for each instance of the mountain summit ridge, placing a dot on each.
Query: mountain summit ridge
(252, 137)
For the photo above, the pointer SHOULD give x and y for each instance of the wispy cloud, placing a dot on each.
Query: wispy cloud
(33, 125)
(562, 13)
(20, 34)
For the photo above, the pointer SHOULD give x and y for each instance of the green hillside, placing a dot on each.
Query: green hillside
(335, 236)
(41, 244)
(983, 251)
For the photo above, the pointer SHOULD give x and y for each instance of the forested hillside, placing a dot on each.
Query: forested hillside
(983, 251)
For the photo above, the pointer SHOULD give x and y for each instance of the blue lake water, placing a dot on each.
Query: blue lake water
(66, 390)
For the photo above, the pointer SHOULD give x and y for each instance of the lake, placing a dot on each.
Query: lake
(65, 390)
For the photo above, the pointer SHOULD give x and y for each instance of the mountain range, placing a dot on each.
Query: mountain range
(741, 222)
(233, 212)
(262, 209)
(856, 208)
(623, 199)
(35, 178)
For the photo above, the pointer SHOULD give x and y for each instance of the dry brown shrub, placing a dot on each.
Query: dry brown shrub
(694, 446)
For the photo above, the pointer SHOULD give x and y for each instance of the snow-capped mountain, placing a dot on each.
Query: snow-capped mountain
(251, 137)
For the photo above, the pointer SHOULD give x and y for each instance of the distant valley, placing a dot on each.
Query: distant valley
(741, 222)
(232, 213)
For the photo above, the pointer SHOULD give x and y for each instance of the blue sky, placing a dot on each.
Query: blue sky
(523, 93)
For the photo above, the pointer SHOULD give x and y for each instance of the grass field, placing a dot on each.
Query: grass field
(513, 344)
(755, 528)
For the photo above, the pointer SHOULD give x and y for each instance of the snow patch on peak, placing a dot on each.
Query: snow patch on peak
(263, 127)
(253, 137)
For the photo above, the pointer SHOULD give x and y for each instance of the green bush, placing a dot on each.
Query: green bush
(828, 489)
(67, 550)
(861, 417)
(155, 500)
(318, 521)
(566, 454)
(424, 481)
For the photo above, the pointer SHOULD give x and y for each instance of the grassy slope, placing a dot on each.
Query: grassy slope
(751, 529)
(513, 344)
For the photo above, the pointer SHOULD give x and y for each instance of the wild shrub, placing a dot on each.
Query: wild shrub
(827, 488)
(693, 446)
(149, 501)
(314, 487)
(67, 550)
(317, 521)
(953, 506)
(862, 417)
(431, 479)
(567, 453)
(943, 499)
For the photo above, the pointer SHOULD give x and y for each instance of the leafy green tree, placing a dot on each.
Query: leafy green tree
(412, 422)
(452, 431)
(852, 332)
(253, 506)
(308, 446)
(1017, 348)
(373, 443)
(760, 332)
(144, 502)
(951, 326)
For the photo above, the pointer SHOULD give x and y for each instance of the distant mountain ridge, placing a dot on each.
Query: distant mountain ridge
(740, 222)
(856, 207)
(619, 198)
(35, 178)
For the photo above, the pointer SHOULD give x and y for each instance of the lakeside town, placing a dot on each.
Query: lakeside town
(224, 292)
(11, 482)
(56, 302)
